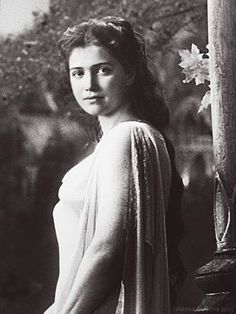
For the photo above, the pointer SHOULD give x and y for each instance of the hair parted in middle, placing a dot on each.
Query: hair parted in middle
(117, 36)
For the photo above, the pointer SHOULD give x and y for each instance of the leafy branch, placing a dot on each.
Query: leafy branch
(196, 67)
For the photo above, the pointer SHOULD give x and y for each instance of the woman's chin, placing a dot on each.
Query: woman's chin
(93, 111)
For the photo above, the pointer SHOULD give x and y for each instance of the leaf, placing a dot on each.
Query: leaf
(194, 65)
(202, 72)
(190, 58)
(205, 101)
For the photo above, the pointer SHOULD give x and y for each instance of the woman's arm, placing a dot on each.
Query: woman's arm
(101, 268)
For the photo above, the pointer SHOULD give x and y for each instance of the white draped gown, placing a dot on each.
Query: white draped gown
(144, 288)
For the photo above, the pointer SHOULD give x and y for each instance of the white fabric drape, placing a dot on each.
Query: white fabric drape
(145, 285)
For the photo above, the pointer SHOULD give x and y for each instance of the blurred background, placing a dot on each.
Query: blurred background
(43, 133)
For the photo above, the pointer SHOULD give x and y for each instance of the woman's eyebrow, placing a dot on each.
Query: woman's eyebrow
(93, 66)
(102, 63)
(75, 68)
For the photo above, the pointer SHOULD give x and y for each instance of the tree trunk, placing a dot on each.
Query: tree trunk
(218, 278)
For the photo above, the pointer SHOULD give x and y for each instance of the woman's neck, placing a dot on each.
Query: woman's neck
(108, 122)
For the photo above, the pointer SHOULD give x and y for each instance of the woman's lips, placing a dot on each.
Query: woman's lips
(93, 97)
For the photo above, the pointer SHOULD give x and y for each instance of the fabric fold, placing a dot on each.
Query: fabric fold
(145, 283)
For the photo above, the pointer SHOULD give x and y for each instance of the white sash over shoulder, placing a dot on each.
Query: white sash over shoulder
(145, 284)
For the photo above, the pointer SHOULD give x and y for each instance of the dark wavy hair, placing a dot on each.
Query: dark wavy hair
(128, 47)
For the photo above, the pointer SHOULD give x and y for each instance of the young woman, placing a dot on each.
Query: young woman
(117, 221)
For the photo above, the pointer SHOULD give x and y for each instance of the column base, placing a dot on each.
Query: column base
(217, 303)
(217, 279)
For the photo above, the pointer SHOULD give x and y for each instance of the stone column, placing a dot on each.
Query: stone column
(217, 279)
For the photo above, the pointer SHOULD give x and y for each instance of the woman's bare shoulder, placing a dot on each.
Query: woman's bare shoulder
(134, 132)
(124, 131)
(130, 135)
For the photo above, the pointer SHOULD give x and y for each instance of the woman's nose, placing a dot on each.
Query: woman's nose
(91, 83)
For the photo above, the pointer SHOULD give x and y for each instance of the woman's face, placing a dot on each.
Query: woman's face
(98, 81)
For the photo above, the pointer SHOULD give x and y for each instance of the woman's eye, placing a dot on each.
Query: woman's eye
(104, 70)
(78, 73)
